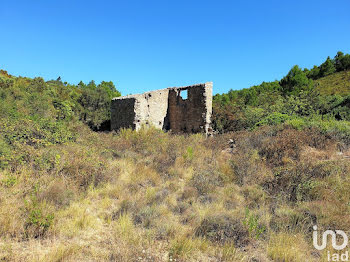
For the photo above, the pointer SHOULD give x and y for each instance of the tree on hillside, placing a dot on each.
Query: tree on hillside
(91, 85)
(346, 62)
(327, 67)
(96, 102)
(109, 88)
(342, 62)
(338, 61)
(295, 81)
(314, 73)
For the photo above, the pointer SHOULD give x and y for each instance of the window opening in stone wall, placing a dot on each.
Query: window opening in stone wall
(183, 94)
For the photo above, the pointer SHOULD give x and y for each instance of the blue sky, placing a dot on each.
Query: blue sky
(146, 45)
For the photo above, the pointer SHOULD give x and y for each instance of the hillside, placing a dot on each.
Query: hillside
(277, 165)
(337, 83)
(303, 95)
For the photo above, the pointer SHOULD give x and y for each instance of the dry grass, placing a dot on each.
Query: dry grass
(152, 196)
(285, 247)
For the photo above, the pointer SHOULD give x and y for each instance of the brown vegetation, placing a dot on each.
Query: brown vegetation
(152, 196)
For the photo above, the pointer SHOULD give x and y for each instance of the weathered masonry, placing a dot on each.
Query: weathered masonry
(166, 109)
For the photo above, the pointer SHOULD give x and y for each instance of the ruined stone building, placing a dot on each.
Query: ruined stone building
(166, 109)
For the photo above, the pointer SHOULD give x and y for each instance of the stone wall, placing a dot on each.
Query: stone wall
(191, 115)
(166, 109)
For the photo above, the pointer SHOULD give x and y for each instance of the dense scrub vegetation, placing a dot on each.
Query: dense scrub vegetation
(318, 96)
(35, 113)
(68, 193)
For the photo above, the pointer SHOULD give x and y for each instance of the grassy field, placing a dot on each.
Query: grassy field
(154, 196)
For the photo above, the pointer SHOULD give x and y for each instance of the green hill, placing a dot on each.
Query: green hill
(337, 83)
(302, 96)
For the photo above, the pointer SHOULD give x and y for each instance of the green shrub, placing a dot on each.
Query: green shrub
(254, 228)
(297, 123)
(39, 218)
(338, 129)
(273, 119)
(9, 180)
(5, 152)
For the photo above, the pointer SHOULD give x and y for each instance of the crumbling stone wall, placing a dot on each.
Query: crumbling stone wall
(166, 109)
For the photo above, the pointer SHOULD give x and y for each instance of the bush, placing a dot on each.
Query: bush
(223, 228)
(252, 224)
(39, 218)
(205, 181)
(297, 123)
(340, 130)
(5, 153)
(84, 169)
(273, 119)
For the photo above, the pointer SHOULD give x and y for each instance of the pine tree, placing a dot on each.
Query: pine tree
(327, 67)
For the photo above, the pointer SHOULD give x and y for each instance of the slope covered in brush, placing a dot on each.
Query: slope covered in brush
(303, 95)
(35, 113)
